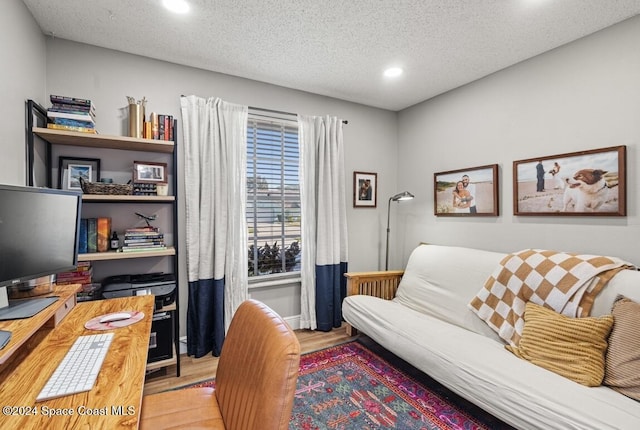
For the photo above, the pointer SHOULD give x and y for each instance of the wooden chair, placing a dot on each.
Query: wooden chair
(255, 381)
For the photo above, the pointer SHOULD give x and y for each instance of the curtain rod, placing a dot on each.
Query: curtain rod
(344, 121)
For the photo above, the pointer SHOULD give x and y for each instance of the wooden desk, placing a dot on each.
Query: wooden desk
(23, 330)
(115, 400)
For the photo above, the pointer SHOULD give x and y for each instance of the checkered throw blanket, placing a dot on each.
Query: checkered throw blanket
(564, 282)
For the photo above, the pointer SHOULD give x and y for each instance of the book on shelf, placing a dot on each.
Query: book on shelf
(92, 235)
(82, 266)
(82, 237)
(168, 127)
(161, 126)
(103, 234)
(84, 117)
(153, 119)
(144, 248)
(142, 234)
(59, 107)
(71, 128)
(72, 122)
(148, 229)
(66, 100)
(146, 130)
(138, 242)
(142, 238)
(143, 244)
(75, 279)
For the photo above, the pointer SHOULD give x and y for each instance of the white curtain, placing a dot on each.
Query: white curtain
(216, 231)
(324, 222)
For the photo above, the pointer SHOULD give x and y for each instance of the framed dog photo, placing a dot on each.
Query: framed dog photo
(591, 183)
(148, 172)
(365, 190)
(71, 169)
(466, 192)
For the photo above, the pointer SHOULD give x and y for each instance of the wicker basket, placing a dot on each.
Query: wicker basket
(108, 189)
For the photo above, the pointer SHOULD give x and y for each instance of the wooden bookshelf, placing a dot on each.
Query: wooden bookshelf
(114, 255)
(89, 140)
(104, 198)
(53, 138)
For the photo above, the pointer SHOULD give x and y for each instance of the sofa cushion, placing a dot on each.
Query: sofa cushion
(626, 283)
(622, 370)
(571, 347)
(440, 280)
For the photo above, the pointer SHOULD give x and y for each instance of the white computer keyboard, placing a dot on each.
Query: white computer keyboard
(78, 370)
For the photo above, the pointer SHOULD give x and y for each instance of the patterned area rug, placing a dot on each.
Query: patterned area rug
(349, 386)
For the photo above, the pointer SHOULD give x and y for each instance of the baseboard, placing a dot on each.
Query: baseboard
(183, 345)
(294, 323)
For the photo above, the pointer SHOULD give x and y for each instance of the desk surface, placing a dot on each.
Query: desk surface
(23, 329)
(116, 398)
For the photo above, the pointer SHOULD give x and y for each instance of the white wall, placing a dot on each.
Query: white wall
(585, 95)
(107, 77)
(22, 77)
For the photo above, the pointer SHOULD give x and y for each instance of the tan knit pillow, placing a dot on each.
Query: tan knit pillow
(571, 347)
(622, 370)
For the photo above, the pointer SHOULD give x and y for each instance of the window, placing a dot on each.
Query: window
(273, 196)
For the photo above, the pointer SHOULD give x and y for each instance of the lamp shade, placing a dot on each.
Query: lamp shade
(405, 195)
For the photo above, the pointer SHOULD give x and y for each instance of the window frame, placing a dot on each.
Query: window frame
(287, 124)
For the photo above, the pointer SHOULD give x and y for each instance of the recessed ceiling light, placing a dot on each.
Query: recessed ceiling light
(177, 6)
(393, 72)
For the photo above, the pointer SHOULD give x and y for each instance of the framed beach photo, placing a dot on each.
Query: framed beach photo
(365, 190)
(71, 169)
(466, 192)
(148, 172)
(591, 183)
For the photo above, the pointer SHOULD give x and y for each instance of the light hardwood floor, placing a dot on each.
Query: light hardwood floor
(193, 370)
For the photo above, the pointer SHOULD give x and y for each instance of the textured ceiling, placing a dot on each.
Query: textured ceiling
(337, 48)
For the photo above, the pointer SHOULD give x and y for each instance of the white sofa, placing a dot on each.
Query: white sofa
(429, 325)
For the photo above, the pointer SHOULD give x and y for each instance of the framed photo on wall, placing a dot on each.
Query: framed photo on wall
(365, 190)
(148, 172)
(591, 183)
(466, 192)
(71, 169)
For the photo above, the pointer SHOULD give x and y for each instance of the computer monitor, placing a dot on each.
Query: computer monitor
(38, 233)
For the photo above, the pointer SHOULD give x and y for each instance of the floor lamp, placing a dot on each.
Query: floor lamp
(405, 195)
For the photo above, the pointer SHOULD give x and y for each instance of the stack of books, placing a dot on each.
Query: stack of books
(71, 114)
(143, 239)
(82, 275)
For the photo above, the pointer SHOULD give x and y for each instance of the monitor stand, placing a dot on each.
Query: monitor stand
(4, 297)
(25, 308)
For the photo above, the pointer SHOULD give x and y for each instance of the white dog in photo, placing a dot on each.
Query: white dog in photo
(587, 190)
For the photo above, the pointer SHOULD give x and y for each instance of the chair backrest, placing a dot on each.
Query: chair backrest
(258, 370)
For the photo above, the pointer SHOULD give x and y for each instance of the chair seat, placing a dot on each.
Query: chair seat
(191, 408)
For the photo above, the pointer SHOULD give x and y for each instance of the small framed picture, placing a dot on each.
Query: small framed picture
(365, 190)
(148, 172)
(466, 192)
(71, 169)
(582, 183)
